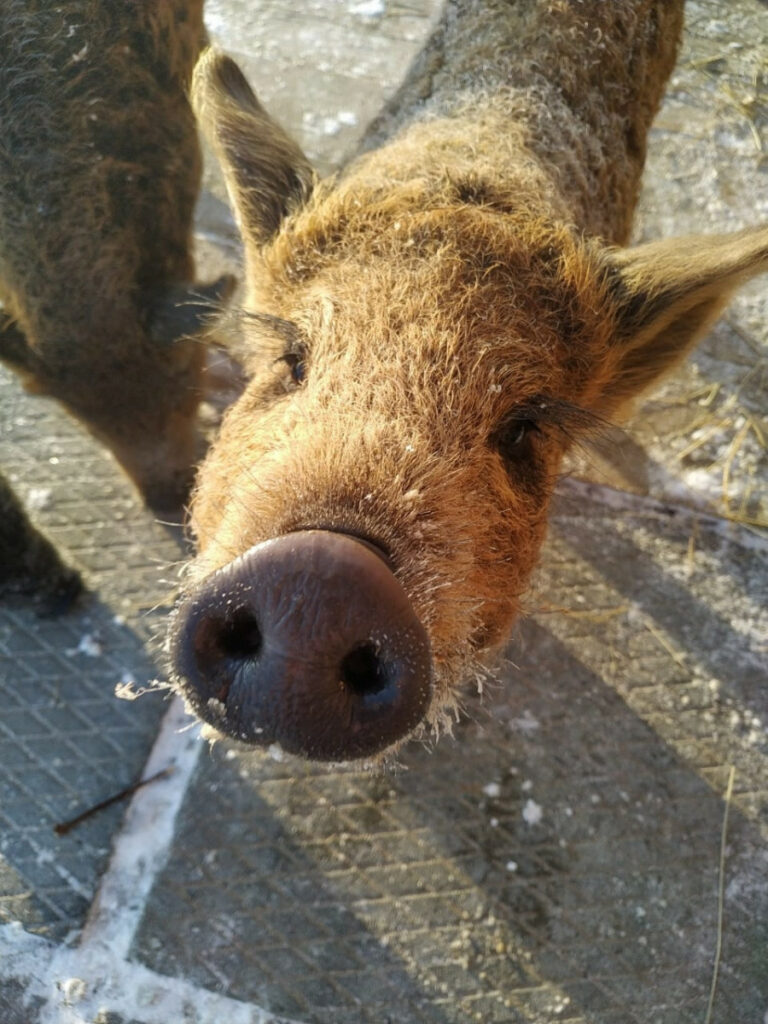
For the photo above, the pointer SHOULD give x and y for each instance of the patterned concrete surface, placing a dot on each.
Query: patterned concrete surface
(569, 854)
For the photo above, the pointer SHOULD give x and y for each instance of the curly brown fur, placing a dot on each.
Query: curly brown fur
(428, 334)
(570, 87)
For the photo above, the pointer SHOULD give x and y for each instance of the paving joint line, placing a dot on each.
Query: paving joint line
(72, 984)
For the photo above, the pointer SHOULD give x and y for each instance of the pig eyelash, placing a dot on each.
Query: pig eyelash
(296, 363)
(542, 416)
(295, 354)
(274, 328)
(286, 330)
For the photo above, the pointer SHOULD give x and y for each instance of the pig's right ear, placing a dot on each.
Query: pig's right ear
(267, 174)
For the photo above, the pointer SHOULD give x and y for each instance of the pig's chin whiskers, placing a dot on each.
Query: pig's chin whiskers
(170, 564)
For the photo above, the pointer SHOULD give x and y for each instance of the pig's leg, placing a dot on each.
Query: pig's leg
(29, 563)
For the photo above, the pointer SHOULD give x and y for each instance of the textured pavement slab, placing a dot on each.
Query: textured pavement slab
(592, 840)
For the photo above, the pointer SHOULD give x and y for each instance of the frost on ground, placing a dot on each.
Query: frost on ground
(532, 812)
(89, 644)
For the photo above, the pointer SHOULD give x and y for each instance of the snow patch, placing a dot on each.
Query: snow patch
(370, 9)
(532, 812)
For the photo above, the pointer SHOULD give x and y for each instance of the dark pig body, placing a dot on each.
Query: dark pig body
(99, 173)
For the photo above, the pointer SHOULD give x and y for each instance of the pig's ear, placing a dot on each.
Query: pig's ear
(186, 309)
(267, 174)
(666, 294)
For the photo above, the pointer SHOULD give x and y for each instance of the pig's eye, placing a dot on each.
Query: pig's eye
(295, 362)
(513, 439)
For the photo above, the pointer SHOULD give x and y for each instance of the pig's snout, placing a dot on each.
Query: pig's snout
(307, 640)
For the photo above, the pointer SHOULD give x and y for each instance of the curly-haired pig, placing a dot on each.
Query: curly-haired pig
(425, 337)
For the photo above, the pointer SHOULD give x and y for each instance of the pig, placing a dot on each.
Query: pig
(99, 173)
(425, 337)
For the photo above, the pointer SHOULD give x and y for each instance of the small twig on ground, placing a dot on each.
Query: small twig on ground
(705, 435)
(676, 656)
(733, 451)
(66, 826)
(720, 895)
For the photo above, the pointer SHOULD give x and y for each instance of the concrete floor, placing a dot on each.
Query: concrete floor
(561, 857)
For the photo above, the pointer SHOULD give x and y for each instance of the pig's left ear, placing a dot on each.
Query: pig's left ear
(185, 310)
(267, 174)
(665, 295)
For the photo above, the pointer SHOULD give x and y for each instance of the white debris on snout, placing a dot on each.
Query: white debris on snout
(208, 732)
(276, 752)
(532, 812)
(128, 689)
(493, 790)
(124, 690)
(217, 707)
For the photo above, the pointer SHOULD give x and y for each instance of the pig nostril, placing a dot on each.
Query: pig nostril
(240, 636)
(237, 636)
(364, 672)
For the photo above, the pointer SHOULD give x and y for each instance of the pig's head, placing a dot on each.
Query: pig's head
(421, 352)
(131, 368)
(152, 428)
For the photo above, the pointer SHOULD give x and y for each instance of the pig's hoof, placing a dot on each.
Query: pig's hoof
(62, 594)
(309, 641)
(50, 594)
